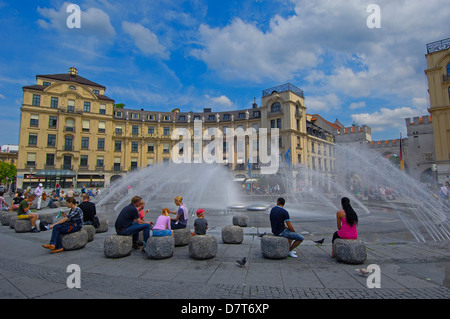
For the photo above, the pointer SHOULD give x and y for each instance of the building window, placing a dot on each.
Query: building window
(241, 115)
(134, 147)
(34, 120)
(135, 130)
(276, 107)
(71, 106)
(272, 123)
(102, 109)
(167, 131)
(166, 149)
(96, 92)
(100, 161)
(68, 140)
(32, 140)
(150, 148)
(256, 113)
(196, 117)
(83, 160)
(279, 123)
(166, 118)
(117, 164)
(117, 146)
(118, 114)
(151, 117)
(50, 160)
(46, 83)
(36, 100)
(151, 130)
(52, 121)
(85, 143)
(51, 140)
(101, 144)
(87, 107)
(54, 102)
(448, 69)
(134, 164)
(101, 127)
(135, 116)
(182, 118)
(211, 117)
(70, 125)
(226, 117)
(31, 159)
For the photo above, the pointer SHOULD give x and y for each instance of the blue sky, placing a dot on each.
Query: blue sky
(193, 54)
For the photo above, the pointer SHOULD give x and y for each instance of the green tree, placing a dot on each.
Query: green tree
(8, 172)
(120, 105)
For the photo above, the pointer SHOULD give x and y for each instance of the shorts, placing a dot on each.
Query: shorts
(23, 216)
(161, 232)
(291, 235)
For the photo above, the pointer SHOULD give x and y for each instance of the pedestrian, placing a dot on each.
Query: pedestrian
(162, 226)
(70, 223)
(3, 204)
(281, 226)
(182, 214)
(18, 197)
(347, 219)
(38, 192)
(89, 210)
(129, 223)
(200, 223)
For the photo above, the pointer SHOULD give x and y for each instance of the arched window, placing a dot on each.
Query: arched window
(276, 107)
(448, 69)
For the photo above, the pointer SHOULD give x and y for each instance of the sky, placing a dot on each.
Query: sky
(353, 64)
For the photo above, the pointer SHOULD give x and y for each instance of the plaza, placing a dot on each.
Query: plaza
(409, 270)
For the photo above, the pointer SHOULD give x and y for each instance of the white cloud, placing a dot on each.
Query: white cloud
(2, 96)
(323, 103)
(94, 22)
(222, 100)
(146, 41)
(357, 105)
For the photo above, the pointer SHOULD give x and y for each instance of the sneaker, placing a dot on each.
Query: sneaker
(34, 230)
(292, 254)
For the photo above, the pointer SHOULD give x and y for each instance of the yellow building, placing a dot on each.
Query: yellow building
(438, 74)
(71, 133)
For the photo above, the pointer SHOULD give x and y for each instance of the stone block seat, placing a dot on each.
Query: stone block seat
(22, 225)
(5, 216)
(240, 220)
(232, 234)
(90, 231)
(203, 247)
(160, 247)
(274, 247)
(181, 236)
(350, 251)
(117, 246)
(104, 225)
(76, 240)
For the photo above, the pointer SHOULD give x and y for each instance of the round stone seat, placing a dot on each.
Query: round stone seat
(117, 246)
(350, 251)
(240, 220)
(48, 218)
(203, 246)
(12, 221)
(160, 247)
(104, 225)
(22, 225)
(181, 236)
(76, 240)
(274, 247)
(232, 234)
(90, 231)
(5, 216)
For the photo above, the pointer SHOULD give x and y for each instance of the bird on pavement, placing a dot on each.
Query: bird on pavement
(320, 242)
(363, 271)
(242, 261)
(260, 235)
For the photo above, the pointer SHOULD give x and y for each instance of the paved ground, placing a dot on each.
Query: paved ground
(409, 270)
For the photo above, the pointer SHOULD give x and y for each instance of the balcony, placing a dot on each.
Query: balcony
(438, 46)
(283, 88)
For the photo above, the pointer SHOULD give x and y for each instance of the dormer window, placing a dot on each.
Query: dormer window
(46, 83)
(72, 87)
(96, 92)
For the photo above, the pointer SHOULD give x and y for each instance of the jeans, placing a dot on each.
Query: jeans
(59, 230)
(134, 230)
(175, 225)
(291, 235)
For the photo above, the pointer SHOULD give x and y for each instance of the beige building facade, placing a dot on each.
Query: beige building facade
(71, 133)
(438, 74)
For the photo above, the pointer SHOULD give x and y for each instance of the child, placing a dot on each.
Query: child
(3, 204)
(200, 224)
(142, 213)
(162, 226)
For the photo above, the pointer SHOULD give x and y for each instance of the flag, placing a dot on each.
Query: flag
(401, 154)
(249, 165)
(287, 157)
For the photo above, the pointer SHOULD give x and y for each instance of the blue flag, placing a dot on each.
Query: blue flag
(249, 165)
(287, 157)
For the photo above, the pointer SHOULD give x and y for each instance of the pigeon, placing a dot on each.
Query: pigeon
(320, 242)
(242, 262)
(260, 235)
(363, 271)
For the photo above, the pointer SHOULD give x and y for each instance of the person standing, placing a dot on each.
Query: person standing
(281, 226)
(129, 223)
(38, 192)
(70, 223)
(347, 219)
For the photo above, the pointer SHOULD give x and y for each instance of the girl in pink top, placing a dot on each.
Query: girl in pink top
(346, 223)
(162, 226)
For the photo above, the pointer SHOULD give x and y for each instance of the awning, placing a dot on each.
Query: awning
(55, 173)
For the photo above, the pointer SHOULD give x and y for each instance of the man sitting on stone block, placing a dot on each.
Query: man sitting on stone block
(129, 223)
(23, 212)
(70, 223)
(281, 226)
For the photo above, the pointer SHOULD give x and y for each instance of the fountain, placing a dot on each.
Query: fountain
(316, 196)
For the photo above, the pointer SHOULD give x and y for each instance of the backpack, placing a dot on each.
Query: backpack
(43, 226)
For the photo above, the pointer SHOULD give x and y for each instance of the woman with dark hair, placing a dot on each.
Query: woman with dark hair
(346, 223)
